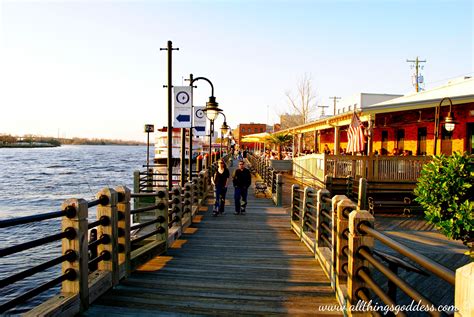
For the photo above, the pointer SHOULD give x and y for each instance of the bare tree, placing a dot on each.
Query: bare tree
(303, 105)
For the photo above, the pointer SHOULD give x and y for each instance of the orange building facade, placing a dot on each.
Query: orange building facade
(402, 124)
(246, 129)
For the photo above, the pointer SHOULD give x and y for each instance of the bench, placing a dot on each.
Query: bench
(387, 197)
(260, 187)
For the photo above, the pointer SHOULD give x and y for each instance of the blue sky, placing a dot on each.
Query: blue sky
(94, 68)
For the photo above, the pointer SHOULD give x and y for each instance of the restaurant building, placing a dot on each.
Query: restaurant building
(405, 123)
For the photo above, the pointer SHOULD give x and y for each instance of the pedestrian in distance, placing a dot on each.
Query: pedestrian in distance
(241, 179)
(220, 180)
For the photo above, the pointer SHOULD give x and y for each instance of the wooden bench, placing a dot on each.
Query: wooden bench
(390, 197)
(260, 187)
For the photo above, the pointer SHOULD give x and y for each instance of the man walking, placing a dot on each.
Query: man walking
(242, 180)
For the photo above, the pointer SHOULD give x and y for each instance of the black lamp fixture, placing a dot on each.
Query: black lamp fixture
(449, 121)
(224, 128)
(212, 109)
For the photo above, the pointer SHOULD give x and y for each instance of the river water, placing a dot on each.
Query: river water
(38, 180)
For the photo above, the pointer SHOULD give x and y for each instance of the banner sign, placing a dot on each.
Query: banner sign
(182, 107)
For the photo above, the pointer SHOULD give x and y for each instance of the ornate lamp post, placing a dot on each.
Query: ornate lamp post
(449, 121)
(224, 129)
(212, 110)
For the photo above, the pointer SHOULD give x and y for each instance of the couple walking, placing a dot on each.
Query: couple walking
(241, 179)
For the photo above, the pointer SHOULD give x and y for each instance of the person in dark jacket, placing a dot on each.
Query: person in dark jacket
(220, 180)
(241, 179)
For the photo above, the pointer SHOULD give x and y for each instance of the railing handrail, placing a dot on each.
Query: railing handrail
(345, 248)
(111, 253)
(435, 268)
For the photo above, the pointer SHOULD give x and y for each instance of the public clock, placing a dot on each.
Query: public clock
(182, 97)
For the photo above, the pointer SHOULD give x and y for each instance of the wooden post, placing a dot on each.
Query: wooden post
(306, 200)
(279, 190)
(177, 204)
(362, 195)
(294, 188)
(162, 201)
(110, 250)
(78, 245)
(342, 225)
(188, 199)
(464, 291)
(337, 143)
(320, 206)
(123, 231)
(357, 240)
(335, 201)
(136, 189)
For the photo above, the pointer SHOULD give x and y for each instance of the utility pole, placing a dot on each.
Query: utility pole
(335, 101)
(322, 110)
(417, 66)
(170, 50)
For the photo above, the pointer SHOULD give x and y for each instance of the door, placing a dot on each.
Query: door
(421, 144)
(401, 140)
(446, 142)
(384, 149)
(470, 138)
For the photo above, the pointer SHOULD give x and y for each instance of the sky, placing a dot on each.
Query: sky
(94, 68)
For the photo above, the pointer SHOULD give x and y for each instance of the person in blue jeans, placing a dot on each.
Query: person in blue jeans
(241, 180)
(220, 181)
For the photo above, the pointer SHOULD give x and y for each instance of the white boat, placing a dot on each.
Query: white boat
(160, 168)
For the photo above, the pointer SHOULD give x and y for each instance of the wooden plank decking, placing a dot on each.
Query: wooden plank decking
(229, 265)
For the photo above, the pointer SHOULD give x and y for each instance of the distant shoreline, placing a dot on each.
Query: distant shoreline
(28, 146)
(32, 146)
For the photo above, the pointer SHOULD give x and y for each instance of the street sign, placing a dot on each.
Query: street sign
(199, 121)
(149, 128)
(182, 107)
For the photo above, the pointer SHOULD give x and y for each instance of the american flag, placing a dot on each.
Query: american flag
(355, 135)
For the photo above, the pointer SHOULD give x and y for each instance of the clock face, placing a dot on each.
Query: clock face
(182, 97)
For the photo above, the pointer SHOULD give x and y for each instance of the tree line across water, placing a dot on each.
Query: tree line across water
(7, 140)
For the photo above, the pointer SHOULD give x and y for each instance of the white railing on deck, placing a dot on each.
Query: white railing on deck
(374, 168)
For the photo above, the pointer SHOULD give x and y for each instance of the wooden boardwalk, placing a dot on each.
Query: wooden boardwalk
(249, 264)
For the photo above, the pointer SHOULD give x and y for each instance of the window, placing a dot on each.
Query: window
(255, 130)
(243, 130)
(349, 108)
(249, 130)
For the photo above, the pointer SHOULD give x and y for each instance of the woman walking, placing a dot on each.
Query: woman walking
(220, 181)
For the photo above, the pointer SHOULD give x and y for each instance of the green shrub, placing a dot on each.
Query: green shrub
(445, 191)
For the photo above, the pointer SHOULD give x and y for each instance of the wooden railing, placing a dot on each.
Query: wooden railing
(342, 237)
(91, 264)
(373, 168)
(272, 179)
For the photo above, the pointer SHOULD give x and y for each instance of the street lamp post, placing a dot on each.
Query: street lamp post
(224, 129)
(449, 122)
(211, 111)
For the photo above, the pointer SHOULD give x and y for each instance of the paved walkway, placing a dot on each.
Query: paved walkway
(236, 265)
